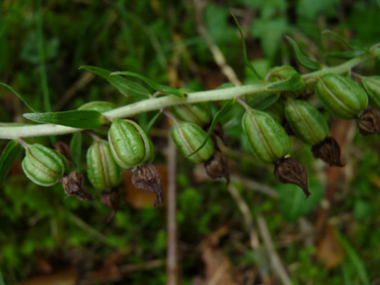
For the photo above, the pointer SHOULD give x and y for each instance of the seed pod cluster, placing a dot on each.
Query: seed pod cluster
(102, 170)
(267, 138)
(130, 146)
(341, 96)
(43, 165)
(188, 137)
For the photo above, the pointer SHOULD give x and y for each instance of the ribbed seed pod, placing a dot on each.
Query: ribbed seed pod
(267, 138)
(199, 113)
(130, 145)
(43, 166)
(102, 170)
(372, 87)
(285, 72)
(307, 123)
(341, 96)
(188, 137)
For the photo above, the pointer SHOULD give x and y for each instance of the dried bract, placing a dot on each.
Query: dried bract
(73, 186)
(369, 122)
(217, 166)
(290, 170)
(329, 151)
(64, 149)
(148, 178)
(110, 199)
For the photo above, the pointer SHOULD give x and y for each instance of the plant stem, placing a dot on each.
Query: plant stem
(163, 102)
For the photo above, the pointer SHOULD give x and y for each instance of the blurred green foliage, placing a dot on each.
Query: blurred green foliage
(142, 36)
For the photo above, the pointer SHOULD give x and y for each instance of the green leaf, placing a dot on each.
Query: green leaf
(247, 62)
(1, 279)
(292, 200)
(226, 85)
(263, 100)
(151, 122)
(341, 39)
(226, 107)
(346, 273)
(294, 83)
(125, 86)
(81, 119)
(348, 54)
(270, 32)
(76, 149)
(354, 258)
(302, 58)
(158, 87)
(22, 98)
(10, 153)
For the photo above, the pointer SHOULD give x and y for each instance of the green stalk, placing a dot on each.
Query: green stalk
(163, 102)
(41, 53)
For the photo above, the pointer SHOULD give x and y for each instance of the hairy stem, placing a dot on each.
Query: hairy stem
(12, 132)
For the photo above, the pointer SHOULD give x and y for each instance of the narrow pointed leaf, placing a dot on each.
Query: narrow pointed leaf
(247, 62)
(10, 153)
(354, 258)
(302, 58)
(76, 149)
(263, 100)
(226, 85)
(158, 87)
(125, 86)
(292, 84)
(22, 98)
(151, 123)
(226, 107)
(348, 54)
(341, 39)
(81, 119)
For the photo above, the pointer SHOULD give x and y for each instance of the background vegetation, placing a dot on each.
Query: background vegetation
(46, 237)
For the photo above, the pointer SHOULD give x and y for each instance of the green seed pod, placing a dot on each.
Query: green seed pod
(341, 96)
(188, 137)
(100, 106)
(276, 110)
(199, 113)
(372, 86)
(307, 123)
(102, 170)
(44, 166)
(267, 138)
(285, 72)
(130, 145)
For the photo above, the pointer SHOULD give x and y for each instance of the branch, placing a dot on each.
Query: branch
(274, 258)
(163, 102)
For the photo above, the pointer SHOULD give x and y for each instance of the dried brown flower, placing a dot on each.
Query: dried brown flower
(110, 199)
(329, 151)
(73, 186)
(217, 166)
(64, 149)
(369, 122)
(290, 170)
(148, 178)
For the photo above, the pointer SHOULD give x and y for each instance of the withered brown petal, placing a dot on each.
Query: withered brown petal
(217, 166)
(148, 178)
(369, 122)
(329, 151)
(64, 149)
(290, 170)
(287, 128)
(218, 131)
(110, 199)
(73, 186)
